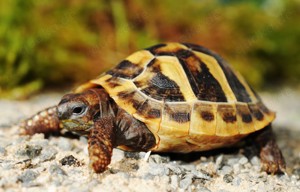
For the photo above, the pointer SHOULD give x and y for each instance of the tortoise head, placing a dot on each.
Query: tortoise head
(77, 112)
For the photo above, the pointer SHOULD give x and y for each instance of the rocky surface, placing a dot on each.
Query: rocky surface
(61, 163)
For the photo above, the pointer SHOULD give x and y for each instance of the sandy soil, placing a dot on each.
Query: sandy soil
(61, 163)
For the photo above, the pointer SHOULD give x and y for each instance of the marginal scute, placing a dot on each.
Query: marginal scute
(203, 118)
(226, 120)
(175, 119)
(246, 123)
(244, 113)
(255, 111)
(150, 109)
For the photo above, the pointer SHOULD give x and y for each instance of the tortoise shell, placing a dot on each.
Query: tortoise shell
(187, 95)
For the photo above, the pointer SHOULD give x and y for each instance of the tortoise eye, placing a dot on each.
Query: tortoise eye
(78, 110)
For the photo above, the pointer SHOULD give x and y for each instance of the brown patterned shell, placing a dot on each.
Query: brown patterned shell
(188, 96)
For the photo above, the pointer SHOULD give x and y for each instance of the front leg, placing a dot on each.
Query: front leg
(101, 143)
(45, 121)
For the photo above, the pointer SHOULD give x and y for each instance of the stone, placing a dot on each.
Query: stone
(65, 144)
(200, 175)
(226, 170)
(158, 169)
(48, 154)
(236, 181)
(28, 176)
(232, 161)
(228, 178)
(174, 181)
(219, 161)
(69, 160)
(2, 150)
(202, 189)
(186, 181)
(132, 155)
(174, 169)
(243, 161)
(30, 151)
(255, 161)
(158, 159)
(56, 169)
(237, 168)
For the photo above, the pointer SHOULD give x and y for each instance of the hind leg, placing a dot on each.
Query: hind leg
(270, 155)
(45, 121)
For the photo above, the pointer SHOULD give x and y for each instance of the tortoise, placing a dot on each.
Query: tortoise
(172, 97)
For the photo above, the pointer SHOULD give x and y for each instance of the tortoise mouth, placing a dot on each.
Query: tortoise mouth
(77, 125)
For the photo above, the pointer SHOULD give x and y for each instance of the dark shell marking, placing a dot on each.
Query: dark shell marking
(236, 86)
(179, 113)
(204, 85)
(150, 109)
(126, 70)
(207, 116)
(244, 112)
(227, 113)
(256, 112)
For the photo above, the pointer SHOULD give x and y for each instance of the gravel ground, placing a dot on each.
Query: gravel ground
(61, 163)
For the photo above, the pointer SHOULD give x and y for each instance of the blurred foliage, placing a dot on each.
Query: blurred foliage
(54, 43)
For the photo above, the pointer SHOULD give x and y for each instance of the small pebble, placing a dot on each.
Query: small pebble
(175, 169)
(2, 150)
(83, 139)
(56, 169)
(255, 161)
(233, 161)
(174, 181)
(186, 181)
(236, 181)
(118, 155)
(48, 154)
(202, 189)
(158, 159)
(28, 176)
(69, 160)
(132, 155)
(222, 190)
(31, 151)
(226, 170)
(243, 161)
(219, 161)
(65, 144)
(200, 175)
(228, 178)
(236, 168)
(158, 169)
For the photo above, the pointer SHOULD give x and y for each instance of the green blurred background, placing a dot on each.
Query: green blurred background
(53, 44)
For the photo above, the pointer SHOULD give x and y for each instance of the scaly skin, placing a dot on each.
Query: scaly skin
(101, 143)
(45, 121)
(271, 157)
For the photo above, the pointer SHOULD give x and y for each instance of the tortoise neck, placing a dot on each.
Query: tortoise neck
(104, 103)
